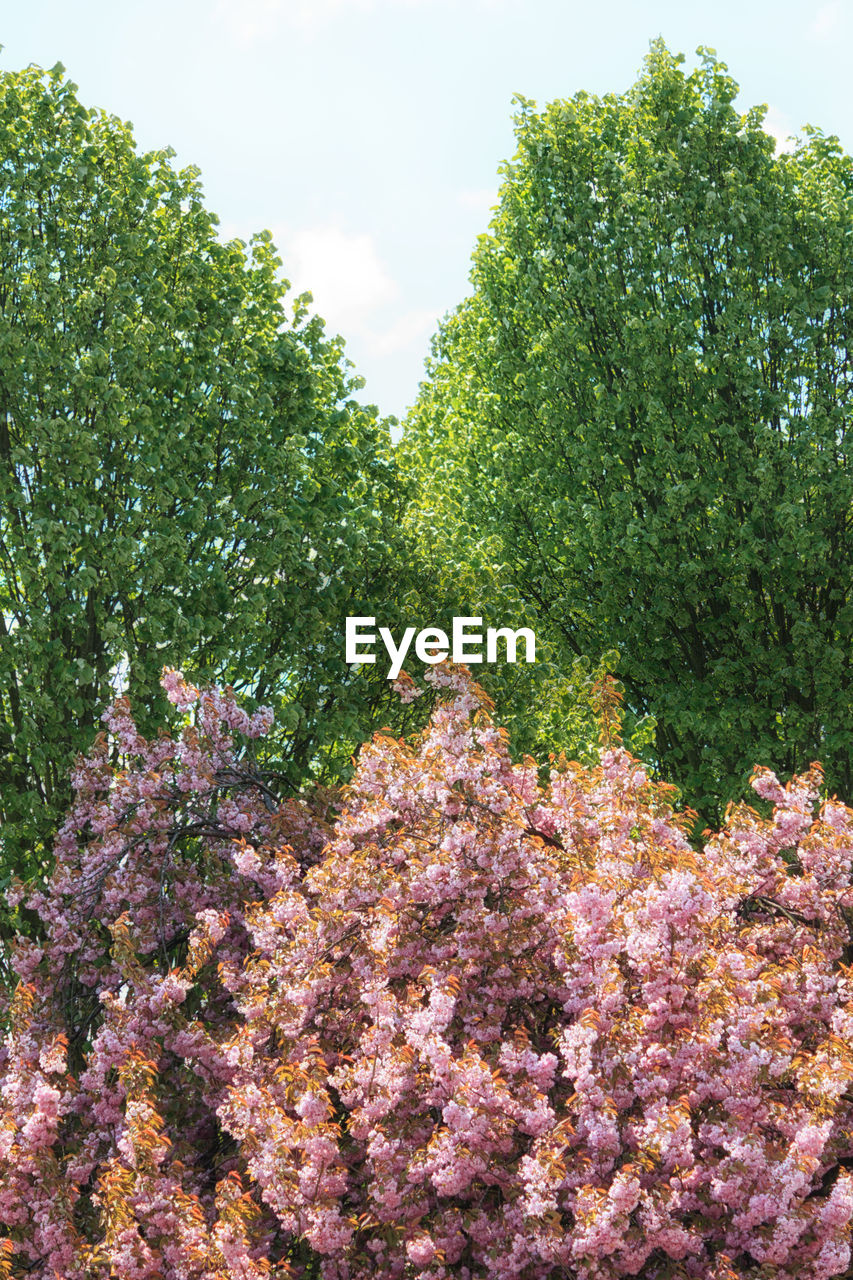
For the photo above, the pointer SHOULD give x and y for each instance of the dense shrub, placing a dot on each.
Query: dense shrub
(483, 1025)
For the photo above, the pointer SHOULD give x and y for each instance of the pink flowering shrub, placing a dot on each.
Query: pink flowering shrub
(482, 1027)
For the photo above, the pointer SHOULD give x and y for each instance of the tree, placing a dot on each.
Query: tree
(641, 416)
(184, 475)
(479, 1026)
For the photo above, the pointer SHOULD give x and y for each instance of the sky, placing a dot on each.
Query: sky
(367, 135)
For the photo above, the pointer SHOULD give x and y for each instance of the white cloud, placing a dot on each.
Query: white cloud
(480, 199)
(828, 19)
(353, 291)
(230, 230)
(247, 19)
(342, 270)
(250, 19)
(777, 124)
(408, 332)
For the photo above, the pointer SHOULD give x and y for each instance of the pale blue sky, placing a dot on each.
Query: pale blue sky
(366, 134)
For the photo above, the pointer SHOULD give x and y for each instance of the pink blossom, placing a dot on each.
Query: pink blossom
(474, 1025)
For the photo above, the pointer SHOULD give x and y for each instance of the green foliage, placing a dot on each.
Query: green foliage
(184, 478)
(457, 561)
(548, 707)
(640, 418)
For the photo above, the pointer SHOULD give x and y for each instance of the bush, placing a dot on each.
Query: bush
(479, 1026)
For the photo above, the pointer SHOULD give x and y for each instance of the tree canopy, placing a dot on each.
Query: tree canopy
(184, 475)
(640, 417)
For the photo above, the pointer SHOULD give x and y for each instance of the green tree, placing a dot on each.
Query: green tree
(641, 416)
(184, 476)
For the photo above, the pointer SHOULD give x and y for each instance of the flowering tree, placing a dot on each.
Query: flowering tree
(481, 1026)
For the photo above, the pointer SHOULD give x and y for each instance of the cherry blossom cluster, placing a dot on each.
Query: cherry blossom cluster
(492, 1021)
